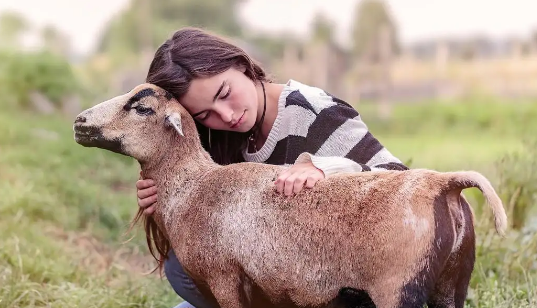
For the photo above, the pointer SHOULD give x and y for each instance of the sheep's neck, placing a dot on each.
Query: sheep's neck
(175, 173)
(175, 178)
(186, 162)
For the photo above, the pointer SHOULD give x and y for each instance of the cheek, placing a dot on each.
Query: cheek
(244, 99)
(235, 102)
(214, 122)
(253, 99)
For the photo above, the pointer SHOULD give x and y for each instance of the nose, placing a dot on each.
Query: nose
(80, 119)
(226, 114)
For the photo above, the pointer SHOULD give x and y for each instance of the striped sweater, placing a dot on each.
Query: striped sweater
(312, 125)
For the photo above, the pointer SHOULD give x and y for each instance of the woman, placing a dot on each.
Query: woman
(242, 115)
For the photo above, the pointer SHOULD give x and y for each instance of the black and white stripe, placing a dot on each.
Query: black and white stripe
(313, 121)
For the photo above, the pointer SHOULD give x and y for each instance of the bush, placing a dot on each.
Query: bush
(518, 178)
(478, 114)
(43, 72)
(504, 274)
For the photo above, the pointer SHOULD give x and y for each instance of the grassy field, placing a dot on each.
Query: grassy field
(63, 214)
(64, 208)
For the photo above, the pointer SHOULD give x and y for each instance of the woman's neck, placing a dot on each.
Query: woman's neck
(273, 92)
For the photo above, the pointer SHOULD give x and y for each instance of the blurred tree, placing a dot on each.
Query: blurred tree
(55, 41)
(469, 49)
(322, 28)
(272, 46)
(12, 27)
(40, 72)
(145, 25)
(375, 43)
(372, 22)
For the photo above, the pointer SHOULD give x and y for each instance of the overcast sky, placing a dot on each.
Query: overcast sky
(417, 19)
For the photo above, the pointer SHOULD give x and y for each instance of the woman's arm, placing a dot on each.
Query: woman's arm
(334, 164)
(349, 148)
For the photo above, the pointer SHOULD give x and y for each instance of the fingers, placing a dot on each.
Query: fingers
(146, 195)
(147, 192)
(143, 184)
(285, 181)
(299, 183)
(312, 180)
(307, 180)
(150, 210)
(280, 181)
(146, 202)
(290, 183)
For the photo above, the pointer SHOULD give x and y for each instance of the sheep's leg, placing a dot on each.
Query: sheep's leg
(452, 287)
(385, 296)
(231, 292)
(466, 258)
(388, 302)
(399, 293)
(230, 298)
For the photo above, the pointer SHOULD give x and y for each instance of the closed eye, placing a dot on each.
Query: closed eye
(203, 116)
(227, 93)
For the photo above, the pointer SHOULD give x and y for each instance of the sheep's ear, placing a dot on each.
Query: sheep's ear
(174, 120)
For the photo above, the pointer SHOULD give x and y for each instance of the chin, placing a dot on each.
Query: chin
(244, 128)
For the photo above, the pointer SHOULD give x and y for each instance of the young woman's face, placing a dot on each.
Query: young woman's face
(227, 101)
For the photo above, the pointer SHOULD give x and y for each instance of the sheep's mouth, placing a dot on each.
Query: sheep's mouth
(86, 130)
(87, 134)
(87, 139)
(92, 137)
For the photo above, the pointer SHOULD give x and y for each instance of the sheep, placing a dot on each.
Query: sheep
(371, 239)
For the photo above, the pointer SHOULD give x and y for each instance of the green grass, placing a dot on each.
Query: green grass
(457, 152)
(61, 224)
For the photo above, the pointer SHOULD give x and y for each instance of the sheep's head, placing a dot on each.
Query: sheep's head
(140, 124)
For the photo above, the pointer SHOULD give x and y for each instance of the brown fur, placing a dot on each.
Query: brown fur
(403, 237)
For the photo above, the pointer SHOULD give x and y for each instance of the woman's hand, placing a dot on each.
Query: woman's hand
(298, 176)
(147, 195)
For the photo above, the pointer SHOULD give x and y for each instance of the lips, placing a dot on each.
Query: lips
(239, 122)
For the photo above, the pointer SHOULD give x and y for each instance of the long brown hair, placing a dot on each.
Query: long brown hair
(193, 53)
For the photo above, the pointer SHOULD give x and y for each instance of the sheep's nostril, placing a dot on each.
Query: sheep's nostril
(80, 119)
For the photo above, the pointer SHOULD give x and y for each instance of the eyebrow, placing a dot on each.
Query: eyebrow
(214, 98)
(139, 96)
(219, 90)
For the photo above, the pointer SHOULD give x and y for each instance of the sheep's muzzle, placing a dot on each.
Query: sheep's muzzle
(91, 136)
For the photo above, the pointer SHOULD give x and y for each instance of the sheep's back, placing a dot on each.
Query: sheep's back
(348, 220)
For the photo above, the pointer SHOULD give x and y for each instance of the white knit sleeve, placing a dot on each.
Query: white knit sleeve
(330, 164)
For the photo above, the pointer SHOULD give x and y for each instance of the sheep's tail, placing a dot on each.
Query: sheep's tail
(465, 179)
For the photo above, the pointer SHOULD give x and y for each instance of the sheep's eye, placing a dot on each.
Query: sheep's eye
(141, 110)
